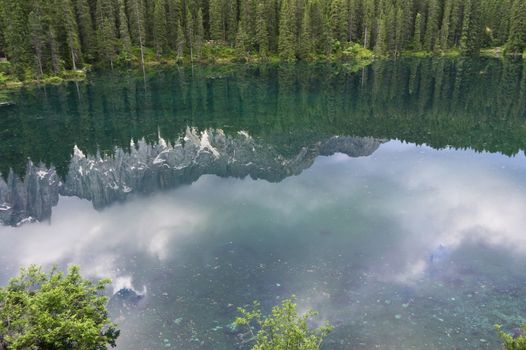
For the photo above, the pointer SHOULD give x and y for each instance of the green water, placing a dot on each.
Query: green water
(391, 199)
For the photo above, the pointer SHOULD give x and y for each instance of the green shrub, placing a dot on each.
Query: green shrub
(5, 67)
(358, 52)
(54, 311)
(283, 329)
(3, 79)
(511, 342)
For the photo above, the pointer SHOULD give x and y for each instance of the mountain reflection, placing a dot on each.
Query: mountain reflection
(265, 121)
(147, 168)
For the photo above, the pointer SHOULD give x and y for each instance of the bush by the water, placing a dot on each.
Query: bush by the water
(283, 329)
(513, 341)
(54, 310)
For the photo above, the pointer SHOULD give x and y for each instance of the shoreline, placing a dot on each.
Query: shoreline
(360, 58)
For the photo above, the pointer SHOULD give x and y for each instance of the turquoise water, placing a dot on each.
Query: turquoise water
(390, 199)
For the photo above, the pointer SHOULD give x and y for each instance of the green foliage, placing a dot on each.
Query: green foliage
(43, 37)
(357, 52)
(510, 342)
(3, 79)
(283, 329)
(54, 311)
(286, 47)
(517, 39)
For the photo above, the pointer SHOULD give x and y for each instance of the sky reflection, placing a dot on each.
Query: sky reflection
(408, 233)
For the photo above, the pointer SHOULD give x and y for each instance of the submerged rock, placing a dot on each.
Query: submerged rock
(126, 297)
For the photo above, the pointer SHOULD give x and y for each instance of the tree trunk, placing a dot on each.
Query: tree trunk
(73, 60)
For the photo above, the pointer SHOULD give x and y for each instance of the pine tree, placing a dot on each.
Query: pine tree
(305, 46)
(72, 32)
(232, 14)
(248, 17)
(417, 37)
(381, 39)
(124, 32)
(431, 25)
(241, 41)
(173, 16)
(517, 39)
(159, 27)
(338, 20)
(262, 31)
(105, 31)
(408, 23)
(286, 47)
(399, 32)
(199, 34)
(444, 30)
(181, 42)
(18, 46)
(38, 37)
(316, 26)
(190, 32)
(369, 16)
(85, 26)
(216, 20)
(471, 28)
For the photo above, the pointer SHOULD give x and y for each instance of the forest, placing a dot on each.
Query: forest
(46, 37)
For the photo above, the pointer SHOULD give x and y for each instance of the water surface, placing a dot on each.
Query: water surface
(390, 199)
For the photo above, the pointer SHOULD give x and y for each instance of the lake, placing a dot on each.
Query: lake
(391, 199)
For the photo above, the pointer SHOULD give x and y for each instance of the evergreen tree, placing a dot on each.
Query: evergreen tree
(190, 32)
(517, 39)
(431, 25)
(408, 23)
(399, 31)
(181, 42)
(286, 47)
(338, 20)
(199, 33)
(381, 39)
(417, 37)
(85, 27)
(105, 31)
(124, 32)
(444, 30)
(305, 46)
(262, 31)
(242, 41)
(248, 17)
(38, 37)
(471, 28)
(16, 36)
(159, 29)
(173, 17)
(232, 11)
(216, 20)
(72, 32)
(368, 25)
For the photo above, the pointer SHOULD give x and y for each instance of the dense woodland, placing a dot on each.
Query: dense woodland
(43, 37)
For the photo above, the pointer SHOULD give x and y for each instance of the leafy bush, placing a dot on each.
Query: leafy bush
(5, 67)
(283, 329)
(358, 52)
(3, 79)
(54, 311)
(517, 342)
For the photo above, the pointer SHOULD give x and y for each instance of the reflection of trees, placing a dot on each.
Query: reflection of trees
(478, 104)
